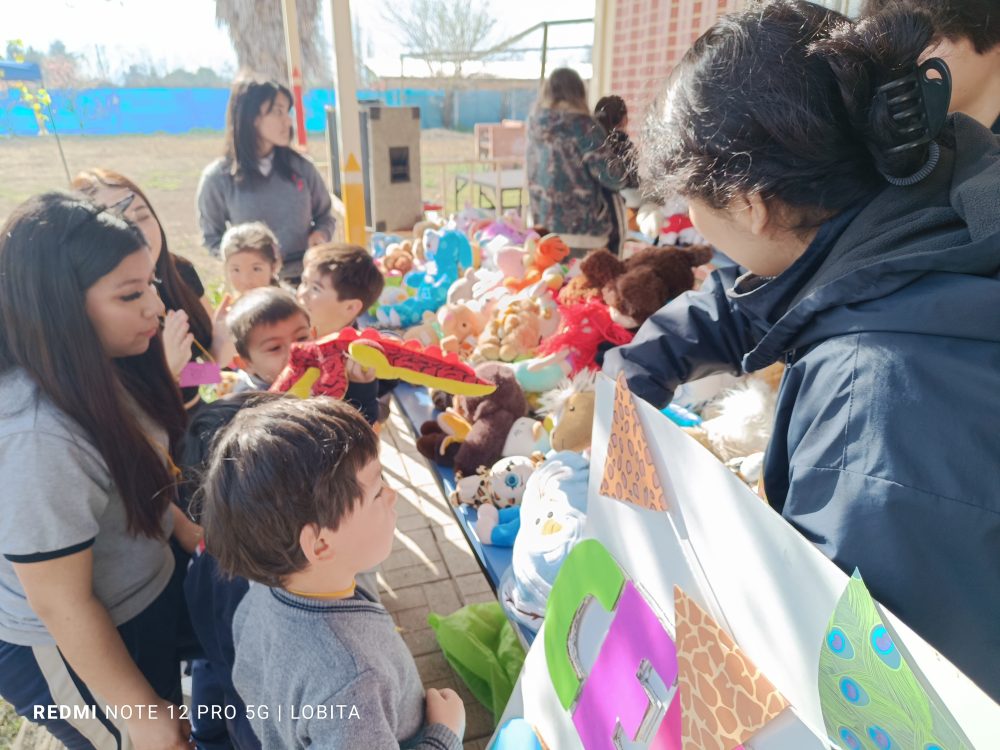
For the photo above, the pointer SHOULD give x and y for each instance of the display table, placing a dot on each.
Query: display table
(415, 404)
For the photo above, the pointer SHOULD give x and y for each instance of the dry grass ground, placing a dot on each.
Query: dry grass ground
(167, 168)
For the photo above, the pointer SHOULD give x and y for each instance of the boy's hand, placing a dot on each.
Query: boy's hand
(445, 707)
(177, 340)
(358, 373)
(317, 237)
(219, 327)
(223, 348)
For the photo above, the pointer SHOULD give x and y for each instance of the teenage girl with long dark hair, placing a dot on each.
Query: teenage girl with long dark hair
(262, 178)
(90, 597)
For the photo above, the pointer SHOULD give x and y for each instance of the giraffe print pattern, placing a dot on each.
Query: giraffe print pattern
(629, 473)
(725, 698)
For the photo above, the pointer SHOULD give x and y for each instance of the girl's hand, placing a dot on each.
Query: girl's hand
(187, 533)
(165, 732)
(177, 341)
(317, 237)
(446, 707)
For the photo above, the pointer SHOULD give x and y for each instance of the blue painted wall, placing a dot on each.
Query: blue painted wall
(173, 110)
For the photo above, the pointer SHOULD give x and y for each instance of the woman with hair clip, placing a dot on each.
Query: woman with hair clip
(91, 605)
(574, 176)
(818, 154)
(261, 178)
(189, 331)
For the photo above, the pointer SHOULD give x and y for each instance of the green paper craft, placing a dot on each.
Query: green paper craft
(588, 571)
(871, 698)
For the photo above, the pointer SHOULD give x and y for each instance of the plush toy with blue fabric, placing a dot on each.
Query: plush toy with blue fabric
(553, 514)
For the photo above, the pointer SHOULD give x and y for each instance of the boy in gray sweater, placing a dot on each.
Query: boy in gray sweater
(294, 500)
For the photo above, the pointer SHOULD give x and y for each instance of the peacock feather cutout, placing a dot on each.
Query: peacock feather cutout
(870, 696)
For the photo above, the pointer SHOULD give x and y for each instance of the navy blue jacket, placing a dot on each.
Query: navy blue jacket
(886, 444)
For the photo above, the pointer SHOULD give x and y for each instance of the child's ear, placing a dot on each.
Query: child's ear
(314, 544)
(241, 363)
(355, 307)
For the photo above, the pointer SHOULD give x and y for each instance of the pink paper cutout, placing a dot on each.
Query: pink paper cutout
(612, 693)
(200, 373)
(669, 735)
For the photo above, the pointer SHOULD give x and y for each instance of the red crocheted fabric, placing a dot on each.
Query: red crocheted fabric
(585, 326)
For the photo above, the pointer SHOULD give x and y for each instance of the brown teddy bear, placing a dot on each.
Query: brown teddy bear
(399, 257)
(636, 288)
(488, 419)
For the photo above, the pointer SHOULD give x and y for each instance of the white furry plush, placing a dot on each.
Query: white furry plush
(743, 422)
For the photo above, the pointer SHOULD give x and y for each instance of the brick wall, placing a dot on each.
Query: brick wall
(650, 37)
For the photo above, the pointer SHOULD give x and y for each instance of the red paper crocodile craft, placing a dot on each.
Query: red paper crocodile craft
(318, 368)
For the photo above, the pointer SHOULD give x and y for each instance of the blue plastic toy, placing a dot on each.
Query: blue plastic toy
(681, 417)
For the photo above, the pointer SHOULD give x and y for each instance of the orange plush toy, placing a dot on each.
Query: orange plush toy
(539, 255)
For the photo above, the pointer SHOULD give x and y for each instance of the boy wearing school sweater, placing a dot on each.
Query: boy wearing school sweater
(294, 501)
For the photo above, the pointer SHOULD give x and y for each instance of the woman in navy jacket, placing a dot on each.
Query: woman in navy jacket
(815, 152)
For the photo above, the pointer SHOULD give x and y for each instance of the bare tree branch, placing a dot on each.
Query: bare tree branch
(257, 32)
(442, 31)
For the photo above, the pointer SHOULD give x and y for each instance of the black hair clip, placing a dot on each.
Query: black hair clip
(918, 105)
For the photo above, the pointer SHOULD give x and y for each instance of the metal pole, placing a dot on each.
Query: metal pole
(290, 17)
(348, 126)
(62, 155)
(545, 46)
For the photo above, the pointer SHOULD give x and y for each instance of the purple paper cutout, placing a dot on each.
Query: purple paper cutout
(200, 373)
(612, 692)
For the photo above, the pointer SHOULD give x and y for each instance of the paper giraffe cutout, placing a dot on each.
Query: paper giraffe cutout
(725, 698)
(629, 473)
(871, 698)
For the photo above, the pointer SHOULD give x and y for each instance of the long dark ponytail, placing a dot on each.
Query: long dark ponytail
(53, 248)
(778, 100)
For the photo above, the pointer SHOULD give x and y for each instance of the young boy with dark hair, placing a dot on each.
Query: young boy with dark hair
(968, 39)
(293, 499)
(339, 282)
(264, 323)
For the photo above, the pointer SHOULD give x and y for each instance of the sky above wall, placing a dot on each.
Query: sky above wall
(171, 34)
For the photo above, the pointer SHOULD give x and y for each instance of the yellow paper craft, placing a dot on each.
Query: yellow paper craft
(369, 356)
(725, 698)
(303, 386)
(629, 473)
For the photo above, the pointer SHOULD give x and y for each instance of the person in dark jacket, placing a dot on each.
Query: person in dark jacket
(573, 175)
(611, 114)
(873, 253)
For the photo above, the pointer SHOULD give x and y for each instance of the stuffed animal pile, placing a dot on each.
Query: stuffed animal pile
(506, 300)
